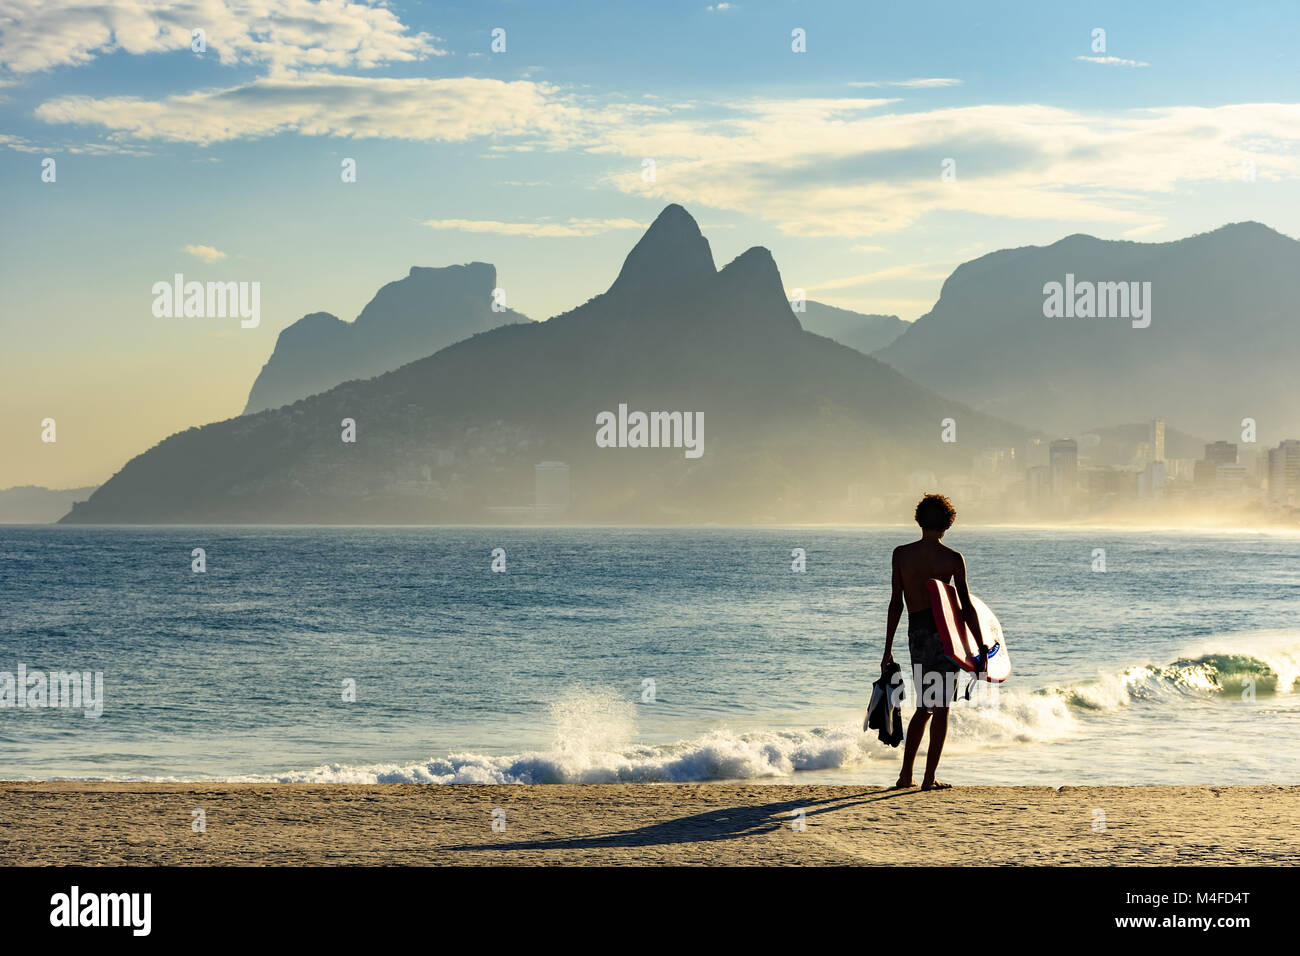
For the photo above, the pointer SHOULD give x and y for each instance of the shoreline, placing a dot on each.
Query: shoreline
(135, 824)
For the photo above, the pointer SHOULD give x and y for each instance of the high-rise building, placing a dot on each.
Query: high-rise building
(1063, 460)
(1216, 454)
(1151, 480)
(1158, 439)
(1035, 453)
(994, 461)
(1038, 485)
(1106, 481)
(1230, 481)
(551, 487)
(1284, 473)
(1221, 453)
(1207, 470)
(1253, 459)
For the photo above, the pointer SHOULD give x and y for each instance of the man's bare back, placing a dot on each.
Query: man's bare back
(921, 560)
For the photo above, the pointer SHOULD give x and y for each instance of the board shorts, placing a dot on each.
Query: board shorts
(933, 674)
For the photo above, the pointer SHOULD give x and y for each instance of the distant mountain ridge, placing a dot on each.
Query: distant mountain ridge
(406, 320)
(793, 421)
(865, 332)
(31, 504)
(1221, 346)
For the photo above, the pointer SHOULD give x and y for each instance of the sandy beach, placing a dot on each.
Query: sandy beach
(710, 824)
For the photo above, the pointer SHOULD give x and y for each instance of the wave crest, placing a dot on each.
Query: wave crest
(595, 731)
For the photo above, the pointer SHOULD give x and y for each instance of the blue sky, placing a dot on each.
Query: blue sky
(225, 164)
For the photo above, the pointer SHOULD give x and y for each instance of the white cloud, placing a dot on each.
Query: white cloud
(920, 83)
(832, 166)
(104, 149)
(1112, 61)
(319, 104)
(567, 229)
(915, 272)
(23, 145)
(18, 144)
(1057, 164)
(720, 7)
(206, 253)
(284, 34)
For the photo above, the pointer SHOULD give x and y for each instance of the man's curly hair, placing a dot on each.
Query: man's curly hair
(935, 513)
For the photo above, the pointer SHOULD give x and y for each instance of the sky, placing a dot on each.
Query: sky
(901, 141)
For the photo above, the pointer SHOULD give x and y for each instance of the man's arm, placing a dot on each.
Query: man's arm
(967, 607)
(895, 612)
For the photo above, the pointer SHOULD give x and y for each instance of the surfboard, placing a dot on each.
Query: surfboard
(958, 643)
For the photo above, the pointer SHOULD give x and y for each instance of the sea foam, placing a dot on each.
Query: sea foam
(595, 730)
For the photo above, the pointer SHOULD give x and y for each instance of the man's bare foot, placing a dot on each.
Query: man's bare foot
(935, 785)
(903, 784)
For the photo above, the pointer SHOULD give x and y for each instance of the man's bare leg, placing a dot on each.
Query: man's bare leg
(915, 731)
(938, 734)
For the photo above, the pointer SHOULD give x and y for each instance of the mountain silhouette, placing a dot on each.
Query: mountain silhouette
(865, 332)
(1221, 346)
(673, 247)
(406, 320)
(792, 420)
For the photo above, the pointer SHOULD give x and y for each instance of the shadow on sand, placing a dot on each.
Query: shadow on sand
(729, 823)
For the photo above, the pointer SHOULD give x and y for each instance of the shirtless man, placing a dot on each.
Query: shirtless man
(934, 676)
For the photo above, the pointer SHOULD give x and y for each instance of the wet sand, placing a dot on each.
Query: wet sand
(638, 824)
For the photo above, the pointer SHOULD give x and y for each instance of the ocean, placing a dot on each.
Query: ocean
(606, 655)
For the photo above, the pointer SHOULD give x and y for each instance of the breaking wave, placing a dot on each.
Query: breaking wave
(1261, 672)
(595, 731)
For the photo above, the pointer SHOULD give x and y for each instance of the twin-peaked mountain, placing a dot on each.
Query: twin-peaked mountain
(1222, 343)
(792, 420)
(407, 319)
(433, 308)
